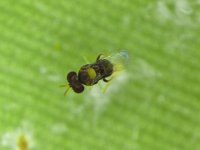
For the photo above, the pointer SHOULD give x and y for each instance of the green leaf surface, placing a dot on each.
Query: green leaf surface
(154, 105)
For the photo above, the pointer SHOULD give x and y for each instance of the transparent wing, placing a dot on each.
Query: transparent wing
(119, 60)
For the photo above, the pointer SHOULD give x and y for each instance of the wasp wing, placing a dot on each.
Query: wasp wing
(119, 60)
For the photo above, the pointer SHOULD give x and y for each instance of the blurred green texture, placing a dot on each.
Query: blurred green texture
(154, 105)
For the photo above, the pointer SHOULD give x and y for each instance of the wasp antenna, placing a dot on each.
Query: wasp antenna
(64, 85)
(67, 88)
(86, 59)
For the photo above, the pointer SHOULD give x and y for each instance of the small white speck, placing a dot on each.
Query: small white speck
(42, 70)
(54, 78)
(135, 137)
(178, 14)
(183, 7)
(39, 6)
(145, 70)
(163, 11)
(126, 20)
(59, 128)
(161, 98)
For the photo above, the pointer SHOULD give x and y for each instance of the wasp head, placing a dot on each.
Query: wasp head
(74, 83)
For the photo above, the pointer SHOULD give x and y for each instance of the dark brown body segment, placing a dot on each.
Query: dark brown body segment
(74, 83)
(102, 67)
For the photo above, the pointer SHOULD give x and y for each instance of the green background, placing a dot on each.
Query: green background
(154, 105)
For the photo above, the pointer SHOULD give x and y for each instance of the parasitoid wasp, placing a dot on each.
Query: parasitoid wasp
(91, 74)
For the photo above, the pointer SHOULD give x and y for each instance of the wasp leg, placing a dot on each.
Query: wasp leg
(105, 80)
(99, 57)
(68, 88)
(107, 85)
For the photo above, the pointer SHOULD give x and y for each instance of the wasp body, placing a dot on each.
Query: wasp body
(91, 74)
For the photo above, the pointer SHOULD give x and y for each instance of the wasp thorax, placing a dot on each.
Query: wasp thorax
(87, 76)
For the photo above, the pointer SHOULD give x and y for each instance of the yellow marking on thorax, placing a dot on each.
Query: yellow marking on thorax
(91, 72)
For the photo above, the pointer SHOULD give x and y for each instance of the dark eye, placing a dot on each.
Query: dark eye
(74, 83)
(78, 87)
(71, 76)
